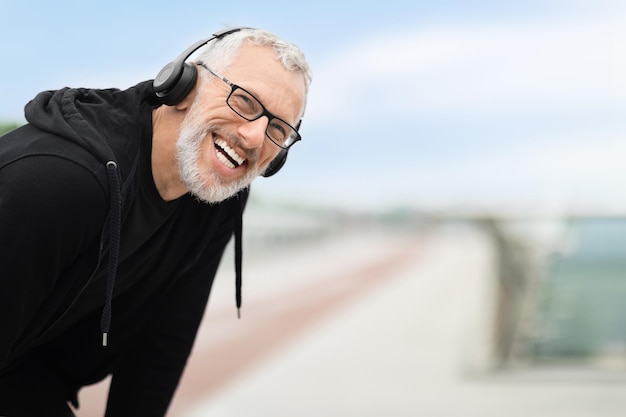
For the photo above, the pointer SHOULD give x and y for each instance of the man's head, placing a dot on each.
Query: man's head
(251, 92)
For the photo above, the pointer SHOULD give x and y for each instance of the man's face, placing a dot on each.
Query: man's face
(219, 152)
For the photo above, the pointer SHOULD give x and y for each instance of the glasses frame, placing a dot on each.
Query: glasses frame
(270, 117)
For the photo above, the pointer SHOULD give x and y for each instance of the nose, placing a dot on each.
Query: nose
(254, 132)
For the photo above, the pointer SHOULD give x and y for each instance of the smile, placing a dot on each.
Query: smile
(226, 154)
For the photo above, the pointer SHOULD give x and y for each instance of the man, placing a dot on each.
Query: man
(115, 208)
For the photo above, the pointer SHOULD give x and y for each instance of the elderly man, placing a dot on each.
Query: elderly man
(115, 209)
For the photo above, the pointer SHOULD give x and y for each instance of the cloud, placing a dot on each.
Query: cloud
(583, 171)
(471, 69)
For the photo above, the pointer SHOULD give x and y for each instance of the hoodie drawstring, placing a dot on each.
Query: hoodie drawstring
(115, 218)
(238, 255)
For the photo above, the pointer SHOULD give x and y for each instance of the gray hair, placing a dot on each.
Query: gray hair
(218, 54)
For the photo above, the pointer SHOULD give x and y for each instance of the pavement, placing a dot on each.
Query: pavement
(368, 324)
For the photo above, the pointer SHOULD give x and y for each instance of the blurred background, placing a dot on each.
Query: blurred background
(448, 239)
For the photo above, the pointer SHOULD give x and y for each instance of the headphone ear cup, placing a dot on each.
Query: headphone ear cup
(276, 164)
(186, 81)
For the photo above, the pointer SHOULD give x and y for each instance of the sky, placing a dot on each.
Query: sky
(477, 105)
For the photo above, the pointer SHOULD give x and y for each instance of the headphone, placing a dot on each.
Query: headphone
(177, 79)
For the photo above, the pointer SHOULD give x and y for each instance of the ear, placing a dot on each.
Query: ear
(185, 104)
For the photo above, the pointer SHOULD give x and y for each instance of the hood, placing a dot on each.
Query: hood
(96, 120)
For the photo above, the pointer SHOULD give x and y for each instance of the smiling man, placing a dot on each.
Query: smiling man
(115, 209)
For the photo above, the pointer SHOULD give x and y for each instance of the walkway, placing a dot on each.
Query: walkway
(371, 325)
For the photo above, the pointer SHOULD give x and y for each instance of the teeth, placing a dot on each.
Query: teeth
(231, 153)
(225, 160)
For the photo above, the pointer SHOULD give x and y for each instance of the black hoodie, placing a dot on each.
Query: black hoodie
(86, 239)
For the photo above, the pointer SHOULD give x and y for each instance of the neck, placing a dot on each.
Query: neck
(165, 123)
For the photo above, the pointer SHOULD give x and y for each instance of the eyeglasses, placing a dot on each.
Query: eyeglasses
(250, 108)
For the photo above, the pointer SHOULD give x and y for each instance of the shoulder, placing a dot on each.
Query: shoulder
(51, 186)
(27, 142)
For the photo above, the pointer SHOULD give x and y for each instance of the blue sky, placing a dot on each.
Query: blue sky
(479, 105)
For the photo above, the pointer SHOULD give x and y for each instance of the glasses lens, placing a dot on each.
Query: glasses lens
(244, 104)
(248, 107)
(281, 133)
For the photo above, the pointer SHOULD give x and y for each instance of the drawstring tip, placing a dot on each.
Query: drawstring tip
(238, 313)
(105, 339)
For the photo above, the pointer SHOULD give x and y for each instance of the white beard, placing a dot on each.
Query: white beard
(207, 185)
